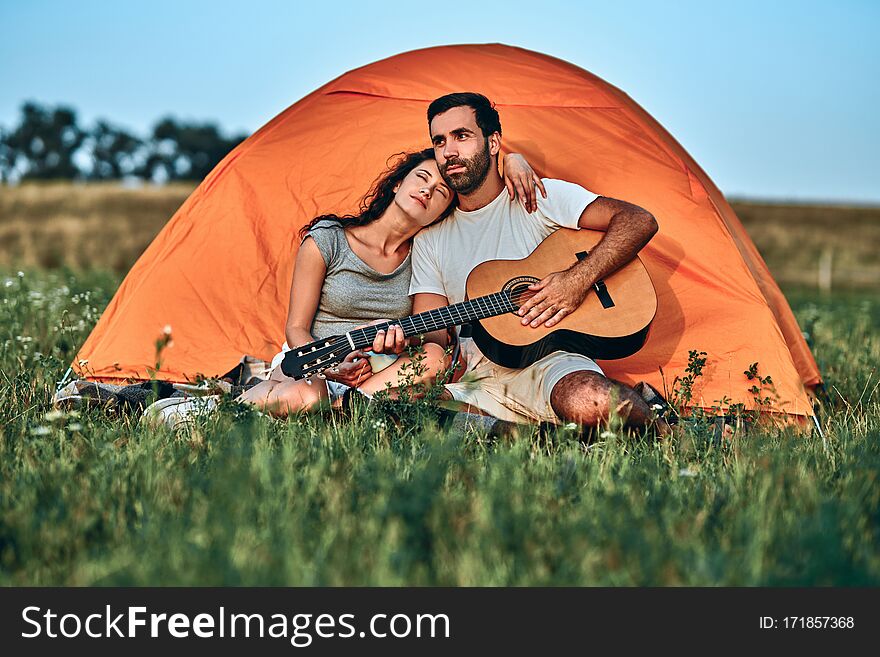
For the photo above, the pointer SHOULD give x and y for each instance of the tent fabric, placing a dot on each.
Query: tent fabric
(219, 272)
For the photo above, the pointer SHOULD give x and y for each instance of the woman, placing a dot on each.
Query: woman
(352, 269)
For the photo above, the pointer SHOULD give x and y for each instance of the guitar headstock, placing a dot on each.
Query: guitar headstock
(314, 358)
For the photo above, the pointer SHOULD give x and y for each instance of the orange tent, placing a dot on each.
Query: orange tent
(220, 270)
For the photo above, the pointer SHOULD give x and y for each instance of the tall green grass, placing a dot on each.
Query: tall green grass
(242, 499)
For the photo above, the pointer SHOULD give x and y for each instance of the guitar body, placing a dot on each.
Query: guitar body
(612, 322)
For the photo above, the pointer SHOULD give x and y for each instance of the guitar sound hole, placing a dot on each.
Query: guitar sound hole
(518, 291)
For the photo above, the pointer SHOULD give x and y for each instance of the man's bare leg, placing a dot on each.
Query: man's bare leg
(586, 398)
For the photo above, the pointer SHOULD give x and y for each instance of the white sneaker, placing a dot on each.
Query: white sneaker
(179, 412)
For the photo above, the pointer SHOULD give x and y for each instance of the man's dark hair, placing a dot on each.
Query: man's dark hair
(486, 114)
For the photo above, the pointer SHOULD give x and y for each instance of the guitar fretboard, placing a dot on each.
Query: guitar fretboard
(440, 318)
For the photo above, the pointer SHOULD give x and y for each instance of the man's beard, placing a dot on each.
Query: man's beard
(476, 169)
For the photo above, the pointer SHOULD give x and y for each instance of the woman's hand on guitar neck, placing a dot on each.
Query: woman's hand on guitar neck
(556, 295)
(355, 369)
(391, 341)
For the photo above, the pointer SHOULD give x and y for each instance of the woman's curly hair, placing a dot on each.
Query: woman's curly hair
(381, 193)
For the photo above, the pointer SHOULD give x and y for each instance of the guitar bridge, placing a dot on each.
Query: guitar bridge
(601, 291)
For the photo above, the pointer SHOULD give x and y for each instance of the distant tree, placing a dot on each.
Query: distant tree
(7, 158)
(185, 151)
(113, 151)
(48, 144)
(44, 143)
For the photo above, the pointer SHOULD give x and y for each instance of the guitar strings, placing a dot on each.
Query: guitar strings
(493, 304)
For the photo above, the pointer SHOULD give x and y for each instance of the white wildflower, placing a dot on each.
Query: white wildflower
(74, 426)
(167, 329)
(687, 472)
(53, 415)
(41, 431)
(606, 435)
(21, 274)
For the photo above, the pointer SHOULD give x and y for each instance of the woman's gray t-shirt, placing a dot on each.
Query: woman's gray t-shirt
(354, 293)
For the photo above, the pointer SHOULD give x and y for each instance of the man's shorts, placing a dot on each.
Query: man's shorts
(515, 395)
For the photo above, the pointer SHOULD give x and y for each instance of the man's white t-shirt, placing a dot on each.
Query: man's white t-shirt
(444, 254)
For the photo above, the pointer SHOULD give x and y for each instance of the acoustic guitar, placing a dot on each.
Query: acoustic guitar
(612, 322)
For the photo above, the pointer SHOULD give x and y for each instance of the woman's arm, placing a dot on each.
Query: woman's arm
(305, 292)
(309, 272)
(522, 181)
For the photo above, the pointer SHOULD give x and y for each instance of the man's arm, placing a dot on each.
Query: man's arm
(628, 228)
(424, 301)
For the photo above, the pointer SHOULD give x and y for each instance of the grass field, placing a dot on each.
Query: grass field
(95, 499)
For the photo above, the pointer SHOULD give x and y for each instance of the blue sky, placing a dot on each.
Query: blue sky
(776, 100)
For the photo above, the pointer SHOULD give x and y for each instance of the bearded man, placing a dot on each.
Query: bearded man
(489, 224)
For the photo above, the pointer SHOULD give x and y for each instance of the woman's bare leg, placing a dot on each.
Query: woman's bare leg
(434, 362)
(282, 396)
(263, 389)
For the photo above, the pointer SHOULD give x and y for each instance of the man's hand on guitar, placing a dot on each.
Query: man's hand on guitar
(352, 371)
(556, 295)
